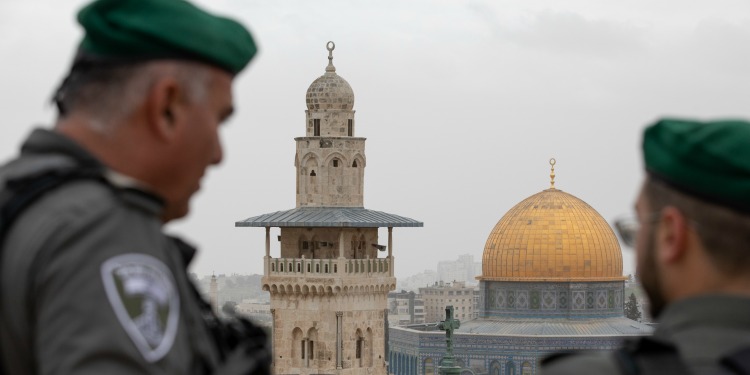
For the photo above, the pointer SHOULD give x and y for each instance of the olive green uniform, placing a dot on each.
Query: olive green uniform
(90, 283)
(703, 329)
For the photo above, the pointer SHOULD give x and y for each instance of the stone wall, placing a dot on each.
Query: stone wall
(330, 171)
(300, 319)
(323, 243)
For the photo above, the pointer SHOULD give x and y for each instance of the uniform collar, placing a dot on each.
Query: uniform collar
(715, 310)
(43, 141)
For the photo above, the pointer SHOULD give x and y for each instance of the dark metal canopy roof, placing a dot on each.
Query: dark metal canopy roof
(356, 217)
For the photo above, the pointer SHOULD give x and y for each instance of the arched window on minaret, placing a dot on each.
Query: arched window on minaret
(350, 127)
(298, 347)
(316, 127)
(353, 251)
(361, 247)
(359, 347)
(312, 183)
(310, 180)
(304, 247)
(313, 247)
(368, 348)
(312, 341)
(358, 173)
(336, 170)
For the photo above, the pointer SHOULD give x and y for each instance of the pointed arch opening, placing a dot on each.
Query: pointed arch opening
(298, 347)
(359, 347)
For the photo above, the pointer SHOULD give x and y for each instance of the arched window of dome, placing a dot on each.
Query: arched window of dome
(429, 367)
(495, 368)
(510, 368)
(526, 368)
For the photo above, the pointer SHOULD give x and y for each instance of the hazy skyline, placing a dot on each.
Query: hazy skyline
(462, 102)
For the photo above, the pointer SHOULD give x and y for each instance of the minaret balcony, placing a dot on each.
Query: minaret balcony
(328, 276)
(338, 267)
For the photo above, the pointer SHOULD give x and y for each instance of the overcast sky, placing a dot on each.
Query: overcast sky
(462, 103)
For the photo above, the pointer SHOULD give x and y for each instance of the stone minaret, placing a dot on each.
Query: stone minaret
(329, 286)
(330, 160)
(214, 294)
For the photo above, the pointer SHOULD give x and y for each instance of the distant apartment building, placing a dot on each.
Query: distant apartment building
(464, 269)
(436, 297)
(405, 308)
(414, 282)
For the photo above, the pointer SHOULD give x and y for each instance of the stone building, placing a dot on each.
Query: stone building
(463, 269)
(551, 280)
(329, 286)
(405, 308)
(440, 295)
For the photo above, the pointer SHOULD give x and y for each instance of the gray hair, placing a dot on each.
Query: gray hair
(107, 93)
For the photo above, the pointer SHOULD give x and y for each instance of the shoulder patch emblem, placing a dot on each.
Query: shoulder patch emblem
(142, 293)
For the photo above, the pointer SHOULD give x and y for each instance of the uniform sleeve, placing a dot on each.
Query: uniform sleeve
(104, 302)
(580, 364)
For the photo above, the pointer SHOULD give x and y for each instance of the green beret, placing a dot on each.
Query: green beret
(710, 160)
(133, 30)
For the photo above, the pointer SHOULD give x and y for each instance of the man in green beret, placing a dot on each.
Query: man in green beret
(90, 283)
(692, 239)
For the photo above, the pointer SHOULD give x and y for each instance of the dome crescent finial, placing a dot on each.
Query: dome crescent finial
(552, 163)
(330, 46)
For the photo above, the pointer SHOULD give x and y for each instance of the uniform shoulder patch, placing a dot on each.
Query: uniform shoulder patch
(141, 290)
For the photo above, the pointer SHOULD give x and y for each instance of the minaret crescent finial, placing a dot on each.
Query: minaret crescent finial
(552, 163)
(330, 46)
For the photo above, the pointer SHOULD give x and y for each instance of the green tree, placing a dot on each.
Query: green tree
(631, 308)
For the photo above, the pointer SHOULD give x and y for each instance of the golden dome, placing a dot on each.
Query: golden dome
(553, 236)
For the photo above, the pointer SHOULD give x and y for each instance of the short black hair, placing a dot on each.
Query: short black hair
(724, 232)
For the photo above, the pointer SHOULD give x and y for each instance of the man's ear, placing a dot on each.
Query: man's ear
(162, 106)
(672, 235)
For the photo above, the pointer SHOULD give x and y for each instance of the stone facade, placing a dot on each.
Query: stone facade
(329, 243)
(440, 295)
(308, 326)
(330, 171)
(329, 286)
